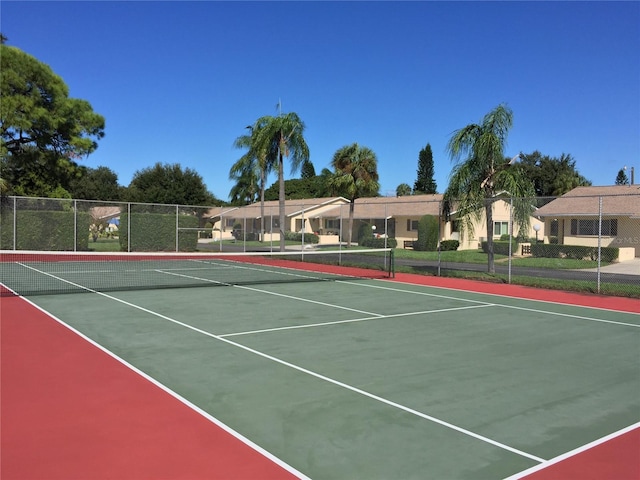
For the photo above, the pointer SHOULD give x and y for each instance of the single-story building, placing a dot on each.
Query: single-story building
(579, 216)
(392, 217)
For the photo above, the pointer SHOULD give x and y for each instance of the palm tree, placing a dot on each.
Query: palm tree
(246, 186)
(355, 176)
(280, 137)
(484, 174)
(256, 162)
(403, 190)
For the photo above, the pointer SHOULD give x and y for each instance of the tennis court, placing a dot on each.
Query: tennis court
(315, 372)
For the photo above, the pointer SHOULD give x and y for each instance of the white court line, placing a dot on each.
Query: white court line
(310, 373)
(286, 271)
(177, 396)
(573, 453)
(510, 297)
(546, 312)
(290, 297)
(364, 319)
(579, 317)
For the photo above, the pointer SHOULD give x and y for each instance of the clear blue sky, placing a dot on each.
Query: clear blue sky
(178, 81)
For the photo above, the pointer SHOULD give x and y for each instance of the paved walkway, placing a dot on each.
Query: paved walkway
(630, 267)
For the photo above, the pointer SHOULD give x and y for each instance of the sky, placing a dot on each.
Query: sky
(178, 82)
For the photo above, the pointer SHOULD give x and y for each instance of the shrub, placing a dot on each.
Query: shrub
(500, 247)
(365, 233)
(379, 243)
(449, 245)
(297, 237)
(428, 232)
(242, 236)
(580, 252)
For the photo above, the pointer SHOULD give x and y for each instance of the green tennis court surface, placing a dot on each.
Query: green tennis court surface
(377, 379)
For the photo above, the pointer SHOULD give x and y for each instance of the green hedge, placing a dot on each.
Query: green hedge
(379, 243)
(580, 252)
(297, 237)
(428, 231)
(45, 230)
(241, 236)
(156, 232)
(449, 245)
(500, 247)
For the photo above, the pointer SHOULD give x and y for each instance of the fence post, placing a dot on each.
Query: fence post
(440, 224)
(599, 238)
(302, 236)
(15, 223)
(510, 238)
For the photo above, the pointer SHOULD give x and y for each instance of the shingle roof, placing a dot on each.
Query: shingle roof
(617, 200)
(271, 207)
(335, 207)
(387, 207)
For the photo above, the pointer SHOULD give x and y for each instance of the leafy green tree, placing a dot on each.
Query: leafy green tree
(307, 170)
(43, 131)
(403, 190)
(96, 184)
(298, 188)
(551, 176)
(482, 173)
(355, 176)
(622, 179)
(425, 182)
(282, 137)
(171, 185)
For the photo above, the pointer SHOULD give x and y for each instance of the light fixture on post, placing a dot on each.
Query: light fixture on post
(536, 227)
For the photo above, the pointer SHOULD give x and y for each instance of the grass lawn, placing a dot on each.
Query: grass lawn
(478, 256)
(104, 245)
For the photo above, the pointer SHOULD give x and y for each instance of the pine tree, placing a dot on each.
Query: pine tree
(307, 170)
(425, 182)
(622, 179)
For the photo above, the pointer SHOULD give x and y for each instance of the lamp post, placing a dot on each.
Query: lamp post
(536, 227)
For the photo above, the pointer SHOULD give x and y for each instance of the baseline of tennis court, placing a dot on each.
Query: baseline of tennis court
(379, 379)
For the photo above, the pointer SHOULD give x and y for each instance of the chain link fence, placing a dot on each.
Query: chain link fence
(585, 243)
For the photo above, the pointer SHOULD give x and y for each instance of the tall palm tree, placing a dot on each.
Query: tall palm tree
(279, 138)
(482, 174)
(355, 176)
(256, 162)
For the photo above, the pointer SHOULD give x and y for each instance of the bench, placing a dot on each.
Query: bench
(408, 243)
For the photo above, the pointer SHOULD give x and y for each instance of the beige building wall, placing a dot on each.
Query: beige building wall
(628, 235)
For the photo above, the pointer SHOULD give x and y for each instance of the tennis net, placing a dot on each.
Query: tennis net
(37, 273)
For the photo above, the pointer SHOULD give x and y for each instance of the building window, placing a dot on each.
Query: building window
(228, 222)
(412, 225)
(589, 227)
(500, 228)
(331, 224)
